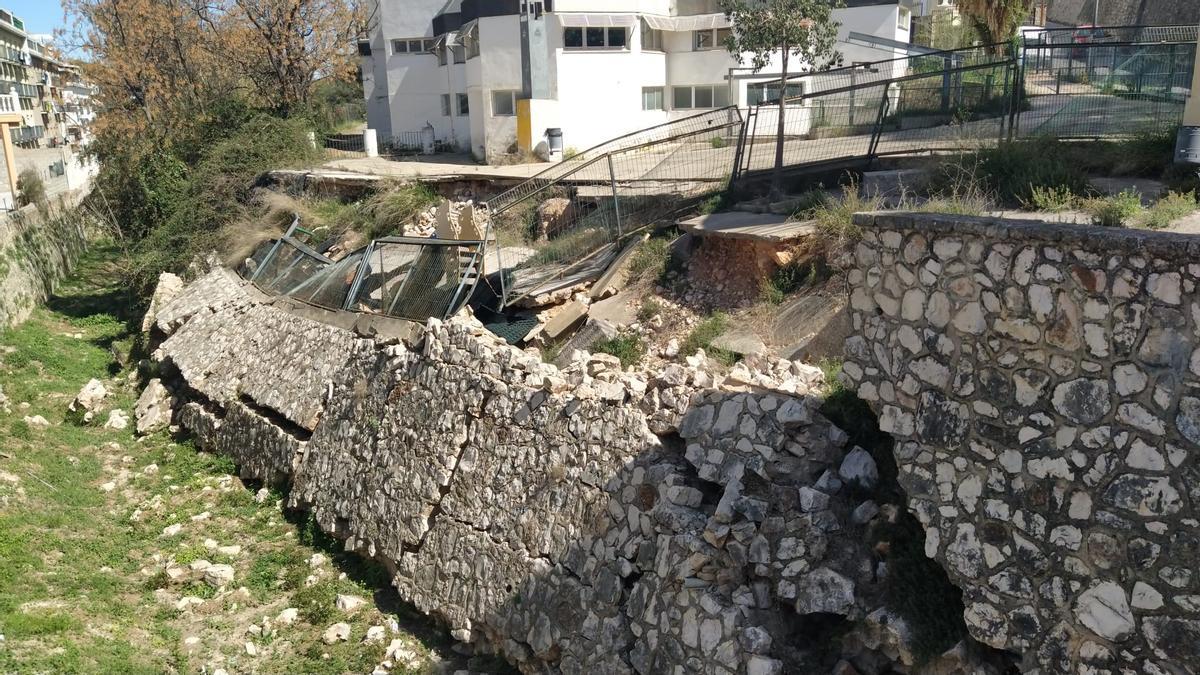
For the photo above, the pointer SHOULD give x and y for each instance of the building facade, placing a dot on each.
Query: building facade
(488, 77)
(39, 85)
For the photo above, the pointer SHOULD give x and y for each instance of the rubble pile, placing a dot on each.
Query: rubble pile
(586, 517)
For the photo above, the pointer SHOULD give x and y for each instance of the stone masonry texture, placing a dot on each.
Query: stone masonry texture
(1043, 386)
(583, 519)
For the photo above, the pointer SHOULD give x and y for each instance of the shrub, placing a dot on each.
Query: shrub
(650, 260)
(703, 335)
(835, 217)
(1051, 199)
(1012, 171)
(718, 142)
(386, 212)
(650, 308)
(792, 277)
(1169, 209)
(628, 347)
(1114, 210)
(316, 604)
(30, 188)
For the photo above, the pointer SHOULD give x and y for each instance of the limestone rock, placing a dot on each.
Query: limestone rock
(89, 397)
(154, 408)
(1104, 609)
(824, 591)
(338, 632)
(218, 576)
(859, 468)
(117, 419)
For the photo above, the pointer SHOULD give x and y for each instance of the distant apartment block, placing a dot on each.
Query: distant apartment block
(54, 103)
(491, 75)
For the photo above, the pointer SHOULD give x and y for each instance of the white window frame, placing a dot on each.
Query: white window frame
(445, 105)
(715, 35)
(463, 105)
(662, 97)
(512, 97)
(904, 20)
(607, 33)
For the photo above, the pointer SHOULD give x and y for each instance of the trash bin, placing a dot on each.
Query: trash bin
(554, 141)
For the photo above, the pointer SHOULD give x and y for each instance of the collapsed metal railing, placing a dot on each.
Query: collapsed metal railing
(411, 278)
(566, 224)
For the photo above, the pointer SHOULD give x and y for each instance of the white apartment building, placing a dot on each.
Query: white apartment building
(595, 69)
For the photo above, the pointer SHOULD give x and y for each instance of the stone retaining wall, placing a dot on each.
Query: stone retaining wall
(1043, 385)
(34, 257)
(578, 520)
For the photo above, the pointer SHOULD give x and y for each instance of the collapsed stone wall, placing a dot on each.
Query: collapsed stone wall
(582, 519)
(35, 254)
(1043, 385)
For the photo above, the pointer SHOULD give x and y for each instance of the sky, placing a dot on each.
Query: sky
(40, 16)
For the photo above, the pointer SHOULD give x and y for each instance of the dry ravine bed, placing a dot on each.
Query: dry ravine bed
(126, 554)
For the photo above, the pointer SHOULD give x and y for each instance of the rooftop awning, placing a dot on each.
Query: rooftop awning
(687, 23)
(596, 19)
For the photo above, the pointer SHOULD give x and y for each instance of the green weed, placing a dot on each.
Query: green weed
(1054, 199)
(835, 217)
(650, 260)
(1114, 210)
(1168, 210)
(703, 335)
(628, 347)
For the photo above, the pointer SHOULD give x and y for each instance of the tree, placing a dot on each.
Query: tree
(764, 30)
(997, 20)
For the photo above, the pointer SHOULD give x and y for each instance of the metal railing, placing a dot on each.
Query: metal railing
(565, 225)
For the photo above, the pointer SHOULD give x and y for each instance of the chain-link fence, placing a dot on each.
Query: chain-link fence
(1088, 83)
(1076, 83)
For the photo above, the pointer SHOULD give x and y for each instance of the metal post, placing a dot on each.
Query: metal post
(358, 276)
(945, 84)
(877, 132)
(852, 90)
(612, 175)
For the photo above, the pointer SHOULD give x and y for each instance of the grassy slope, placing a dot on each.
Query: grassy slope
(82, 581)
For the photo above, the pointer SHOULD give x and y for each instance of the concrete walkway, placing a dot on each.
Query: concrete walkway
(446, 166)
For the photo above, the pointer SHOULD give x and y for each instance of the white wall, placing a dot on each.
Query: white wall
(600, 92)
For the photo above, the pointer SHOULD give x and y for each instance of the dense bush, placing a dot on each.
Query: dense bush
(30, 188)
(175, 200)
(1013, 172)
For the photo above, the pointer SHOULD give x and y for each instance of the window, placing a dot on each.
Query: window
(710, 39)
(652, 40)
(652, 98)
(905, 19)
(441, 53)
(596, 38)
(412, 46)
(471, 41)
(700, 96)
(460, 54)
(445, 105)
(768, 92)
(464, 106)
(504, 103)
